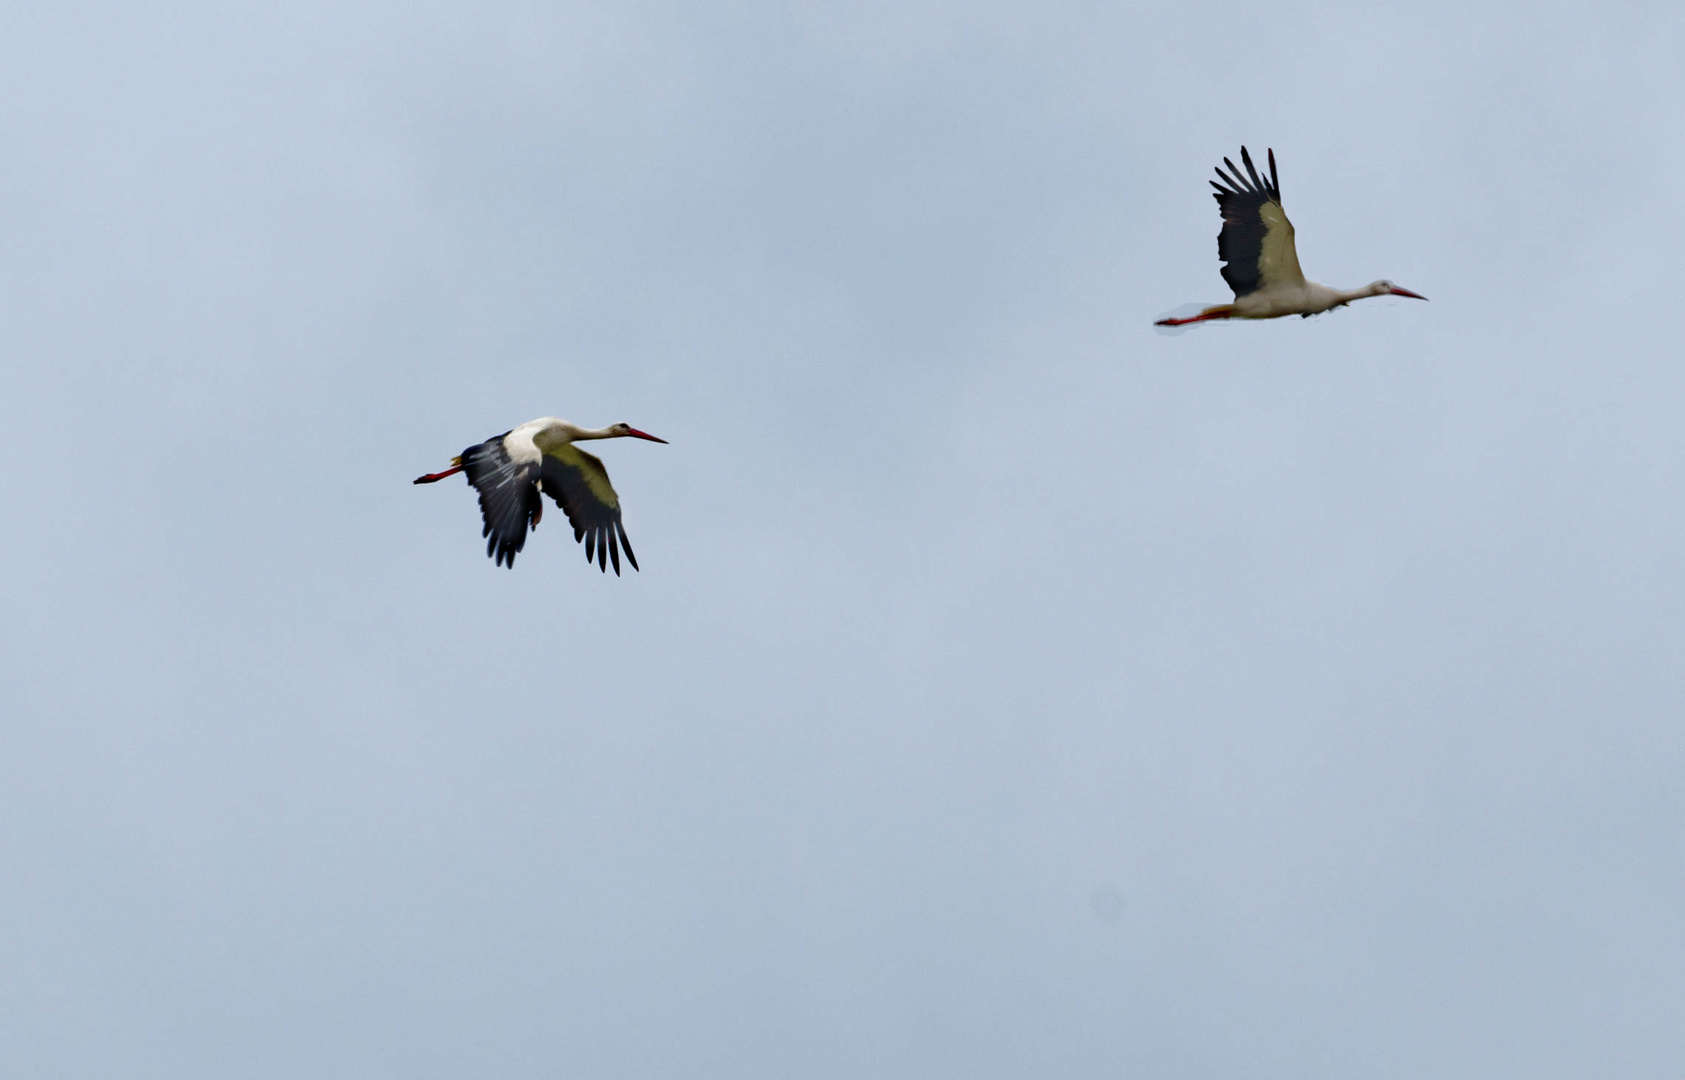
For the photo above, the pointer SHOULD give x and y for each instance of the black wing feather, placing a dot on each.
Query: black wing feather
(1246, 159)
(509, 502)
(625, 544)
(1241, 242)
(594, 521)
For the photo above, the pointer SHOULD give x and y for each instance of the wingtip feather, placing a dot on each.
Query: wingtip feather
(1250, 170)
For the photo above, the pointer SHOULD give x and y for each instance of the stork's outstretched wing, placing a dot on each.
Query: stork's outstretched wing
(509, 500)
(579, 484)
(1256, 243)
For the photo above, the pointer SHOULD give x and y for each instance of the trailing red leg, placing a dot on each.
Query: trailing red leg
(434, 477)
(1226, 311)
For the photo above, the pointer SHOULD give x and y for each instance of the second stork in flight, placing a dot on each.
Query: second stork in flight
(1262, 267)
(514, 469)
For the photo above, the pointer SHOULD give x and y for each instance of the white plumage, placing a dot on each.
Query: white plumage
(513, 470)
(1261, 262)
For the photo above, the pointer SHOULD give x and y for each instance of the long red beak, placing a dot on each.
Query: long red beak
(1396, 291)
(635, 433)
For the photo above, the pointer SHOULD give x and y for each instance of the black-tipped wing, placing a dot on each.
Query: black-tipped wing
(579, 484)
(509, 500)
(1256, 244)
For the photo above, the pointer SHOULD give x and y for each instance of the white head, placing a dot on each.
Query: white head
(622, 431)
(1387, 288)
(552, 432)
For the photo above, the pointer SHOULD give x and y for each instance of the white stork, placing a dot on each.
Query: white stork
(1262, 266)
(511, 470)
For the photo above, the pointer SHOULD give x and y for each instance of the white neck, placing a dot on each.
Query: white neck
(563, 431)
(550, 433)
(1374, 288)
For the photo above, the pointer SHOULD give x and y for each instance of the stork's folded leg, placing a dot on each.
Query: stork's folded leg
(433, 478)
(1222, 311)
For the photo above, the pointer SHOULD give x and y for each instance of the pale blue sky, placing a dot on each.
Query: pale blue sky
(1009, 690)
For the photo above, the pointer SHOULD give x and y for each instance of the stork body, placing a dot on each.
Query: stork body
(1261, 262)
(513, 470)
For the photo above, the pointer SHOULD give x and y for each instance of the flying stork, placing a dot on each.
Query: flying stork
(511, 470)
(1262, 267)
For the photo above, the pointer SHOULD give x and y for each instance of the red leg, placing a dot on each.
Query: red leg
(434, 477)
(1209, 313)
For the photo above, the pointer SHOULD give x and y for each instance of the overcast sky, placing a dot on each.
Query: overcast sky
(1009, 690)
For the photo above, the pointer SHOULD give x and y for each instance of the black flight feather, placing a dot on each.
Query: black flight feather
(508, 498)
(594, 521)
(1240, 244)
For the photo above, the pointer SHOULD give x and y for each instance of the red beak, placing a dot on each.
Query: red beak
(1396, 291)
(635, 433)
